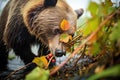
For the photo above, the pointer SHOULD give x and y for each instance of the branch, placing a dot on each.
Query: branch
(22, 68)
(81, 56)
(83, 44)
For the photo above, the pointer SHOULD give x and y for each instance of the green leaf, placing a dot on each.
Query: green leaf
(95, 49)
(107, 7)
(110, 10)
(108, 3)
(91, 26)
(113, 71)
(93, 8)
(115, 35)
(38, 74)
(65, 37)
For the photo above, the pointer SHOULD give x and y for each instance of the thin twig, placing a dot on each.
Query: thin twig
(81, 56)
(49, 62)
(12, 73)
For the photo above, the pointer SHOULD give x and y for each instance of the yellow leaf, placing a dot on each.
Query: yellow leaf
(40, 61)
(65, 37)
(64, 25)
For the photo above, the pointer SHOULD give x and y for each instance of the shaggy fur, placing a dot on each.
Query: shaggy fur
(27, 22)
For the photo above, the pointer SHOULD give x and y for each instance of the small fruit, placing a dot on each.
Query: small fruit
(50, 55)
(53, 60)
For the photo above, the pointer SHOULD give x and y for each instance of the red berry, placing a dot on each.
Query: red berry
(53, 60)
(50, 55)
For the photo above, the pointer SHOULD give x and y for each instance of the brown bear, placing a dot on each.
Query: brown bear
(24, 23)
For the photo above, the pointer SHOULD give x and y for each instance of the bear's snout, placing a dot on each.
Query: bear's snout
(59, 53)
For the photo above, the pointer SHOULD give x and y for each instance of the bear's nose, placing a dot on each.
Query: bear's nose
(59, 53)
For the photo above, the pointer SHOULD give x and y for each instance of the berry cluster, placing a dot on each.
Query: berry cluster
(50, 56)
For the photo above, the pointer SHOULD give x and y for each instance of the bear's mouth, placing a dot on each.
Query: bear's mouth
(56, 47)
(58, 52)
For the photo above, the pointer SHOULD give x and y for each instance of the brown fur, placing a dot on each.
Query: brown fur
(27, 22)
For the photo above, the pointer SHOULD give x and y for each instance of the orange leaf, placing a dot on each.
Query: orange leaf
(64, 25)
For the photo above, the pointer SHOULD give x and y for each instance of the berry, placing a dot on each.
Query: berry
(53, 60)
(50, 55)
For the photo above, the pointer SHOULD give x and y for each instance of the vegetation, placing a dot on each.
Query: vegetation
(94, 51)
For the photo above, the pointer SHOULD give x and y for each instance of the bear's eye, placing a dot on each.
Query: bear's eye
(57, 31)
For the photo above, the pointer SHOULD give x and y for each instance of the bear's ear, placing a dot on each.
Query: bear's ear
(79, 12)
(48, 3)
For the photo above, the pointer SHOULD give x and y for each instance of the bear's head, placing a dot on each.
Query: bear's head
(43, 19)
